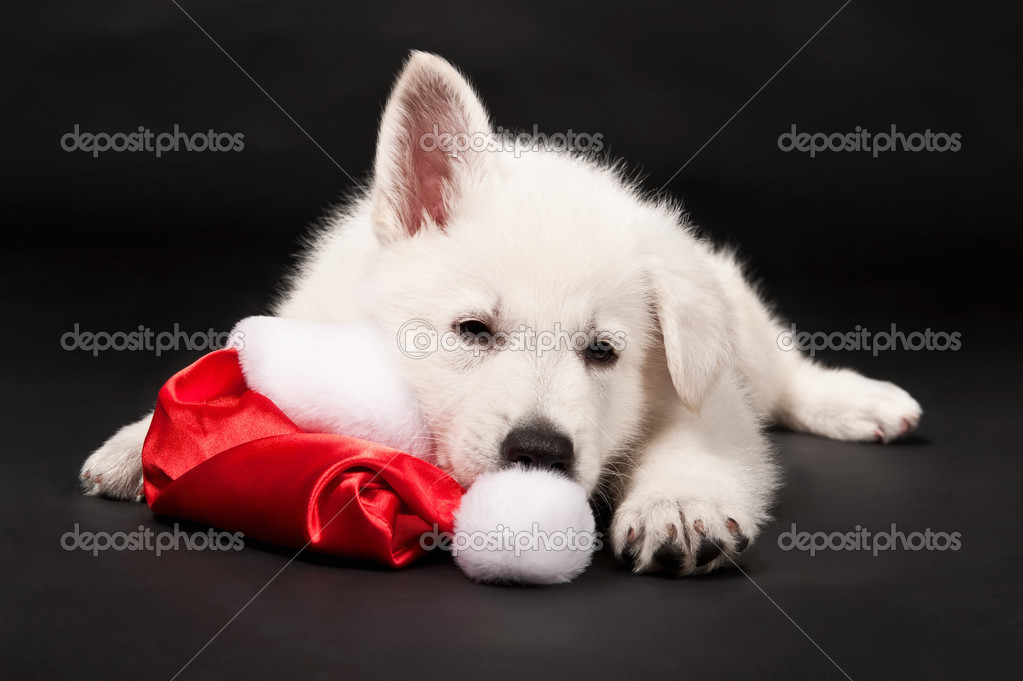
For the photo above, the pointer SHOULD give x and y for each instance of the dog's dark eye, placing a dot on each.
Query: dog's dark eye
(601, 351)
(473, 330)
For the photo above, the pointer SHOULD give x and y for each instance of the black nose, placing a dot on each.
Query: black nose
(539, 446)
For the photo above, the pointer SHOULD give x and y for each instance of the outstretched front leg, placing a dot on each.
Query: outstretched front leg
(699, 492)
(115, 469)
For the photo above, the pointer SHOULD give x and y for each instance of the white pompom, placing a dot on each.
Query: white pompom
(524, 525)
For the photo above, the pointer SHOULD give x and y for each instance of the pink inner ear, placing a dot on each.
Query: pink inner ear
(427, 175)
(430, 174)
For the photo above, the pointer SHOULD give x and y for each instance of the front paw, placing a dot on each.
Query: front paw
(115, 469)
(654, 532)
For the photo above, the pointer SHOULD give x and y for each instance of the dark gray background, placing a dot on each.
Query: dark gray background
(200, 240)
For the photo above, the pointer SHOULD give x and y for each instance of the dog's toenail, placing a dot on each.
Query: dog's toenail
(672, 531)
(699, 527)
(634, 541)
(741, 540)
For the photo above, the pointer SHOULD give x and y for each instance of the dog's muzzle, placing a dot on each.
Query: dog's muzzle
(540, 446)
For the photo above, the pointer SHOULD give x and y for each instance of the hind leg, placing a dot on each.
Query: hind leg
(792, 390)
(842, 404)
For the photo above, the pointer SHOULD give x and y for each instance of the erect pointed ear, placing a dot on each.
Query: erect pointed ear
(423, 165)
(697, 326)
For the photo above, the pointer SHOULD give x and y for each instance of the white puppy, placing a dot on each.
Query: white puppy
(665, 362)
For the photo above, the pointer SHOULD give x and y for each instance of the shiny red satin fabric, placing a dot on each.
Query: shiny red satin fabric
(221, 454)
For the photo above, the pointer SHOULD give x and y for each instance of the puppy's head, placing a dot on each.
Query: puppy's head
(544, 312)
